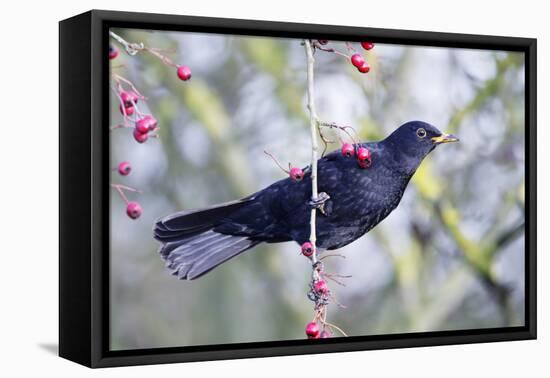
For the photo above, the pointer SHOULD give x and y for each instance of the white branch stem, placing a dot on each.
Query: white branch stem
(313, 123)
(131, 48)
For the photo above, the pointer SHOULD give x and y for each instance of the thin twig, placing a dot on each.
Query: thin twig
(332, 255)
(318, 46)
(120, 126)
(121, 188)
(276, 161)
(336, 328)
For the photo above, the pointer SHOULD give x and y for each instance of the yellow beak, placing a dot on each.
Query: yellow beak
(444, 138)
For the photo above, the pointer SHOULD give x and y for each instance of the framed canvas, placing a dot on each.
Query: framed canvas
(235, 188)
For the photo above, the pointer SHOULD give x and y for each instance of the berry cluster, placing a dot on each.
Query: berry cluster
(356, 59)
(364, 157)
(128, 102)
(144, 125)
(364, 160)
(319, 293)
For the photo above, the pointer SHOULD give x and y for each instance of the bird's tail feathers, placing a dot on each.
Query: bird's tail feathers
(191, 247)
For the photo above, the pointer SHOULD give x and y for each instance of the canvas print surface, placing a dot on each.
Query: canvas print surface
(228, 226)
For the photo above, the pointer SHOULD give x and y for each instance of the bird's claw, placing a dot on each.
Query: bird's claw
(319, 203)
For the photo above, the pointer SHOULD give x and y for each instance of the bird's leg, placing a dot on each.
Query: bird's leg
(319, 203)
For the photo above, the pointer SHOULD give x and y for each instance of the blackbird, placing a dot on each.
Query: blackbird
(352, 200)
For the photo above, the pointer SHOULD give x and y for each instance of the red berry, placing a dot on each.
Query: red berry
(152, 122)
(124, 168)
(325, 335)
(357, 60)
(129, 98)
(133, 209)
(322, 41)
(307, 249)
(312, 330)
(129, 110)
(296, 174)
(143, 126)
(113, 52)
(367, 45)
(140, 137)
(348, 150)
(364, 68)
(320, 287)
(364, 157)
(184, 73)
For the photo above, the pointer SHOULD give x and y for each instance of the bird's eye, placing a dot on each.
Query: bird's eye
(421, 133)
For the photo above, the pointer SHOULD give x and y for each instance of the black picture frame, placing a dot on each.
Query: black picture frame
(84, 189)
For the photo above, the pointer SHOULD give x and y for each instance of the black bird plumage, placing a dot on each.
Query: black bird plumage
(196, 241)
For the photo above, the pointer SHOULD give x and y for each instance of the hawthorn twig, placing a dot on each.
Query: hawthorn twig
(321, 299)
(332, 125)
(119, 126)
(121, 188)
(318, 46)
(313, 123)
(330, 325)
(133, 48)
(276, 161)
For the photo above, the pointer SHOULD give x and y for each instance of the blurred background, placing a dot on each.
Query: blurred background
(451, 256)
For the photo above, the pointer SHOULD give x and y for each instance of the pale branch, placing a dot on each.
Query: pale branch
(133, 48)
(319, 292)
(313, 123)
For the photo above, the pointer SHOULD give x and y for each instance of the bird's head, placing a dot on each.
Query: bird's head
(414, 140)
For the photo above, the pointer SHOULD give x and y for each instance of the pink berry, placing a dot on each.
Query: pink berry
(113, 52)
(348, 150)
(184, 73)
(129, 98)
(140, 137)
(320, 287)
(296, 174)
(325, 335)
(129, 110)
(357, 60)
(312, 330)
(152, 122)
(143, 126)
(133, 209)
(307, 249)
(124, 168)
(367, 45)
(364, 157)
(364, 68)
